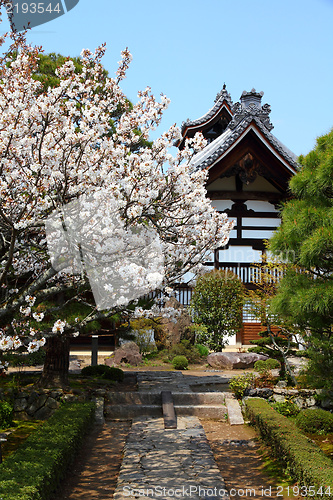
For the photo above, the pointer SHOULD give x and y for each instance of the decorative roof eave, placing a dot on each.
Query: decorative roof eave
(208, 157)
(222, 100)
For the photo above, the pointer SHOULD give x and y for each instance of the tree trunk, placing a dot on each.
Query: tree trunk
(55, 371)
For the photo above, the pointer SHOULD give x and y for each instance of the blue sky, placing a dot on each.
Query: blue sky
(187, 49)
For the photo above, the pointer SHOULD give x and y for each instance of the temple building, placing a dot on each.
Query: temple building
(248, 174)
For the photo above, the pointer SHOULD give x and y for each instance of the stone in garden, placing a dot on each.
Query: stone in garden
(52, 403)
(20, 404)
(327, 404)
(38, 403)
(43, 413)
(234, 360)
(175, 332)
(127, 353)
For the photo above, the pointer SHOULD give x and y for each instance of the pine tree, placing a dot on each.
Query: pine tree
(305, 240)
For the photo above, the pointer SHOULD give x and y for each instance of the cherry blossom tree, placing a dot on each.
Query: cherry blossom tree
(69, 142)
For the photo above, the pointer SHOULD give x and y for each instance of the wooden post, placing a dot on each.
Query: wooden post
(94, 350)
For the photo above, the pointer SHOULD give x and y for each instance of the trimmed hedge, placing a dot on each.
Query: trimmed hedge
(36, 468)
(306, 462)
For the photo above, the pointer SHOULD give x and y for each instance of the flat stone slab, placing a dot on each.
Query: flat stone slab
(169, 463)
(235, 416)
(99, 412)
(170, 419)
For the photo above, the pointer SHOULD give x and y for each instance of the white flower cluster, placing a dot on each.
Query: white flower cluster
(157, 311)
(59, 326)
(34, 345)
(4, 365)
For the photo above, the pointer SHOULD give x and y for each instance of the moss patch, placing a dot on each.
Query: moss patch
(19, 434)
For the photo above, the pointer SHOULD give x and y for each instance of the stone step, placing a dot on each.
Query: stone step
(130, 411)
(135, 410)
(198, 398)
(202, 411)
(134, 398)
(154, 398)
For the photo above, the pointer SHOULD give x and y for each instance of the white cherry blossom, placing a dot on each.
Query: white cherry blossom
(69, 145)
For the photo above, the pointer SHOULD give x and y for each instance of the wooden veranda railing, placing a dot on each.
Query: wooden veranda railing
(250, 275)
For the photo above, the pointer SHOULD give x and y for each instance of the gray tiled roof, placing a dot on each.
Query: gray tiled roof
(215, 149)
(248, 111)
(222, 96)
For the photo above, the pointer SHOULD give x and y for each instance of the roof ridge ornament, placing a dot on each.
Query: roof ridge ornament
(224, 95)
(250, 107)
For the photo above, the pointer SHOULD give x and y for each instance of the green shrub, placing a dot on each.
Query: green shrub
(184, 348)
(94, 370)
(103, 371)
(272, 364)
(37, 467)
(265, 379)
(267, 364)
(259, 365)
(315, 421)
(203, 350)
(286, 408)
(304, 459)
(6, 415)
(114, 373)
(180, 362)
(239, 384)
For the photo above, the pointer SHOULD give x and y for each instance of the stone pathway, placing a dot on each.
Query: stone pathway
(206, 459)
(168, 463)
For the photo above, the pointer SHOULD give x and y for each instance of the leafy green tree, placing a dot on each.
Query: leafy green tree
(217, 303)
(305, 240)
(278, 334)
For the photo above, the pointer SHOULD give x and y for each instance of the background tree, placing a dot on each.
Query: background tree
(217, 303)
(57, 146)
(305, 240)
(278, 336)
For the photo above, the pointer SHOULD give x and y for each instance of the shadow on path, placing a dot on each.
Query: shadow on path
(94, 473)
